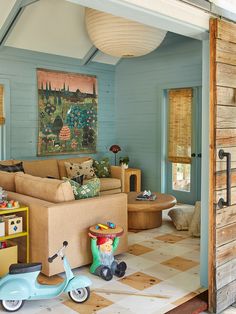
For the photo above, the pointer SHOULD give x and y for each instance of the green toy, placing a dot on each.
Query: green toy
(104, 265)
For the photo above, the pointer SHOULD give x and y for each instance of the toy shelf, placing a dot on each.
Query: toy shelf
(13, 236)
(10, 211)
(22, 211)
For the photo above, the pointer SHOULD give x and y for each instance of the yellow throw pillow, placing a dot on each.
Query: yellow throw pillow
(85, 169)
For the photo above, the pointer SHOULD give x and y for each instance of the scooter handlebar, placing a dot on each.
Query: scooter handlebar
(65, 243)
(51, 259)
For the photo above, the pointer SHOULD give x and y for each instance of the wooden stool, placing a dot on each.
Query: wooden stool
(116, 232)
(137, 182)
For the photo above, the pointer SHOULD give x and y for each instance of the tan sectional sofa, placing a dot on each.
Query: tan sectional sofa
(54, 214)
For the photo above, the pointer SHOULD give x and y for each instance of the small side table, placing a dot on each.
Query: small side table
(137, 179)
(116, 232)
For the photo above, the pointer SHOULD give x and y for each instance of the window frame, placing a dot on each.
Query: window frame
(5, 130)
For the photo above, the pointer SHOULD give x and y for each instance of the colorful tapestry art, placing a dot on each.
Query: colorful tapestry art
(67, 113)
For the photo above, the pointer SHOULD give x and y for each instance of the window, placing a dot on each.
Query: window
(180, 137)
(2, 118)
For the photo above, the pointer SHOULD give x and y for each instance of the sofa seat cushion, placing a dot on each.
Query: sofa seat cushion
(110, 192)
(109, 184)
(51, 190)
(61, 164)
(41, 168)
(7, 180)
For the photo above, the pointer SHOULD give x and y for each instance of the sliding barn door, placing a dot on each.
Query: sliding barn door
(222, 241)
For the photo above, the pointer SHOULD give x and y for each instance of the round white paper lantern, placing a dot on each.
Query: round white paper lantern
(120, 37)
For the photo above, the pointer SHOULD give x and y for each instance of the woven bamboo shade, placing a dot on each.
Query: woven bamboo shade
(2, 119)
(180, 125)
(120, 37)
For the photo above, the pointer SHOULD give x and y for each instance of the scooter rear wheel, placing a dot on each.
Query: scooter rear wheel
(12, 305)
(79, 295)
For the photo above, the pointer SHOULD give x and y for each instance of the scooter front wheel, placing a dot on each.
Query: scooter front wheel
(79, 295)
(12, 305)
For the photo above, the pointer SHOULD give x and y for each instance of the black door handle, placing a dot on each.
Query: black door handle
(199, 155)
(221, 201)
(193, 155)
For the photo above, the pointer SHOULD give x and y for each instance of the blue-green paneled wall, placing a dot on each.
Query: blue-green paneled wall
(19, 67)
(138, 85)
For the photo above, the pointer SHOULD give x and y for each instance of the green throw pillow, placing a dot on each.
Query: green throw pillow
(90, 189)
(102, 168)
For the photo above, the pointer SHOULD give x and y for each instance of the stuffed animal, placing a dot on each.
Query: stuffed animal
(104, 265)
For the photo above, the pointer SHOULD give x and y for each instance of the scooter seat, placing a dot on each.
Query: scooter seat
(24, 268)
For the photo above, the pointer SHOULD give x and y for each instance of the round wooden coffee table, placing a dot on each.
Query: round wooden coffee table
(147, 214)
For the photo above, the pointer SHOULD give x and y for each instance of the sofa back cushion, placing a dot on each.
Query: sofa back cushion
(7, 162)
(109, 184)
(41, 168)
(7, 181)
(61, 165)
(50, 190)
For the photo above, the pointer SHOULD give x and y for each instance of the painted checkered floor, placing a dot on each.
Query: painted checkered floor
(163, 272)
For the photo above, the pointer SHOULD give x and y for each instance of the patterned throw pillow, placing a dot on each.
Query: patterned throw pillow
(12, 168)
(85, 169)
(102, 168)
(79, 179)
(90, 189)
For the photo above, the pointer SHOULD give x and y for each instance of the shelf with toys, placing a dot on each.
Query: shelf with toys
(14, 232)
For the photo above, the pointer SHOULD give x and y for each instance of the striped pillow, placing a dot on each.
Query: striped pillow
(12, 168)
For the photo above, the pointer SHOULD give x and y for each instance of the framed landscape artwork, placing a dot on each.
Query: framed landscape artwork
(67, 113)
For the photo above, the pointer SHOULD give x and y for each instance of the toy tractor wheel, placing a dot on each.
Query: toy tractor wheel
(12, 305)
(79, 295)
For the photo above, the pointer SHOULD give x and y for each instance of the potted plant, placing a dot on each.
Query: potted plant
(124, 162)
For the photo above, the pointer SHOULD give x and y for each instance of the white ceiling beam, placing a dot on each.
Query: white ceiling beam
(171, 15)
(12, 18)
(226, 9)
(25, 3)
(89, 55)
(202, 4)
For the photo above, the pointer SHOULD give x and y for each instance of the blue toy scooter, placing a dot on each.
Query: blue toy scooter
(21, 284)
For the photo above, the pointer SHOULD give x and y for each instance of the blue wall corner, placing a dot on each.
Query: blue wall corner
(19, 68)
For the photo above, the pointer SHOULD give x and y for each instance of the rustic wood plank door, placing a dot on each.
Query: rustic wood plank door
(222, 237)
